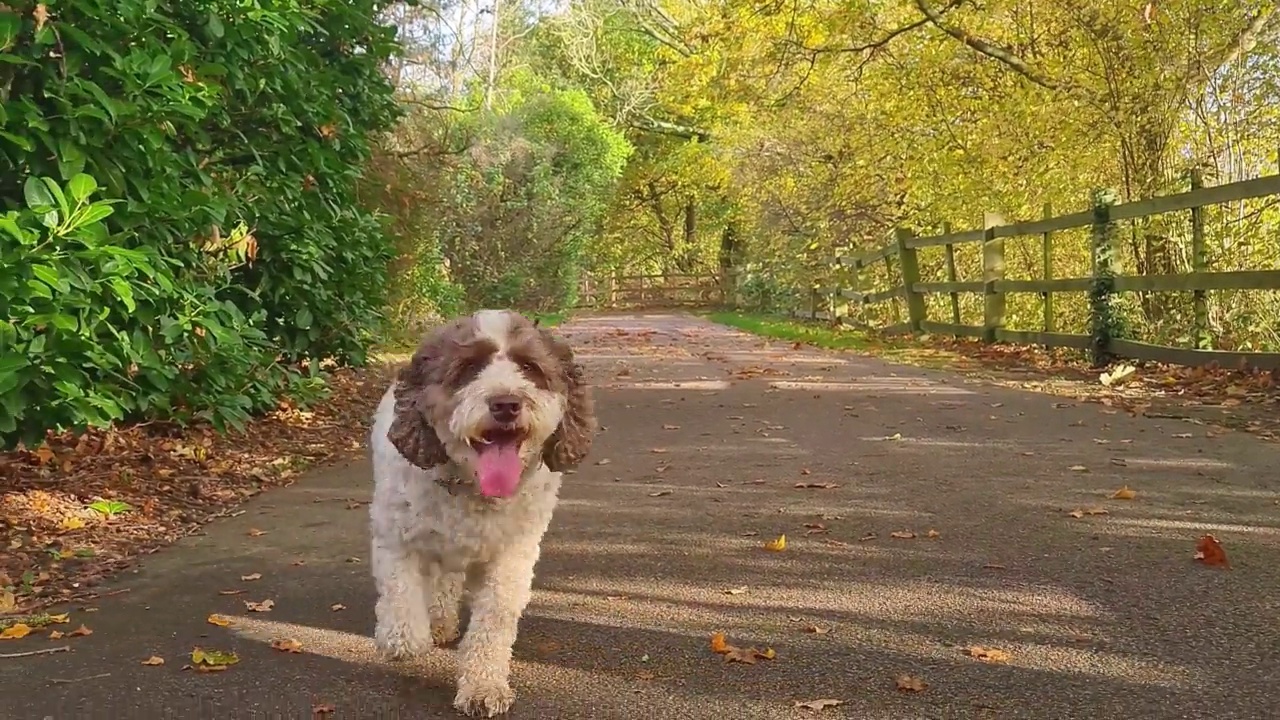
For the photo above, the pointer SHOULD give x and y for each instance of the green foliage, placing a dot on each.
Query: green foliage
(227, 140)
(514, 216)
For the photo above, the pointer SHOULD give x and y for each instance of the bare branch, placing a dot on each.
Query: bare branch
(1240, 45)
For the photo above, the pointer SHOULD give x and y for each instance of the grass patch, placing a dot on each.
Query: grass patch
(549, 319)
(785, 329)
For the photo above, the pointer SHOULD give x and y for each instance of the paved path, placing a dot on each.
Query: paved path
(1105, 616)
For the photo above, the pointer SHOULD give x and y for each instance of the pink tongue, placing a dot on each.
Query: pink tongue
(498, 469)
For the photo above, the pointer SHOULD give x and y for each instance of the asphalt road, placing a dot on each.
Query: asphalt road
(659, 542)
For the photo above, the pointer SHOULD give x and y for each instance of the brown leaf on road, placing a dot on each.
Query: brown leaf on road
(1081, 512)
(933, 534)
(1124, 493)
(1078, 468)
(777, 545)
(908, 683)
(255, 532)
(219, 620)
(868, 536)
(81, 631)
(153, 660)
(719, 644)
(288, 645)
(748, 656)
(1210, 552)
(902, 535)
(816, 630)
(817, 486)
(232, 592)
(670, 427)
(264, 606)
(251, 577)
(817, 704)
(985, 654)
(660, 493)
(322, 709)
(337, 606)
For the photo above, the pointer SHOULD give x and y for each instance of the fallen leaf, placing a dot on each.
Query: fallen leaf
(748, 656)
(255, 532)
(80, 632)
(337, 606)
(657, 451)
(7, 602)
(660, 493)
(1210, 552)
(55, 635)
(212, 660)
(817, 704)
(670, 427)
(219, 620)
(902, 534)
(777, 545)
(288, 645)
(264, 606)
(991, 655)
(718, 643)
(232, 592)
(319, 711)
(868, 536)
(153, 660)
(818, 486)
(816, 630)
(1081, 512)
(907, 683)
(1124, 493)
(1078, 468)
(603, 461)
(933, 533)
(251, 577)
(735, 591)
(17, 631)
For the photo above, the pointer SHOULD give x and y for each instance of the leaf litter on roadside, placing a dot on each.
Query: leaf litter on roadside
(1210, 552)
(821, 704)
(910, 683)
(288, 645)
(778, 544)
(986, 654)
(733, 653)
(212, 660)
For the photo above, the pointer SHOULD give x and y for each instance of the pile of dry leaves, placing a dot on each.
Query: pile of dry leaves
(80, 507)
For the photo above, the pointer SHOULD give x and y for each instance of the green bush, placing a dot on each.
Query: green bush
(516, 213)
(232, 137)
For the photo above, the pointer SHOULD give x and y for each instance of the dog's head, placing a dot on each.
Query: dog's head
(495, 394)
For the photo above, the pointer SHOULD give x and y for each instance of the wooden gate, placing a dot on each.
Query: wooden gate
(650, 291)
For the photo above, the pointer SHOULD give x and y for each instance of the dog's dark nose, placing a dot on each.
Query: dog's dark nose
(505, 409)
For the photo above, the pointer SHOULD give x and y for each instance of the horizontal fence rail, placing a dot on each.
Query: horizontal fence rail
(1103, 284)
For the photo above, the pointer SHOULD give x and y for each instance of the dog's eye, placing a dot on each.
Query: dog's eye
(530, 366)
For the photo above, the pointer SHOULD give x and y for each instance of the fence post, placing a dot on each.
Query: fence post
(951, 273)
(1103, 317)
(992, 272)
(1047, 252)
(1199, 264)
(909, 264)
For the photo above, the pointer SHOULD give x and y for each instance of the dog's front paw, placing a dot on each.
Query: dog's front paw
(484, 699)
(400, 642)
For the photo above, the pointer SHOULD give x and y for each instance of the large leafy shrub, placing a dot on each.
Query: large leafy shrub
(199, 118)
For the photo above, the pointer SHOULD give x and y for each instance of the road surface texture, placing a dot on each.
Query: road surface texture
(659, 542)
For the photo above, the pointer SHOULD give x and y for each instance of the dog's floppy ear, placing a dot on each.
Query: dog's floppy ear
(417, 385)
(569, 444)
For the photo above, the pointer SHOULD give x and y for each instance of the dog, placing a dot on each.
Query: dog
(469, 445)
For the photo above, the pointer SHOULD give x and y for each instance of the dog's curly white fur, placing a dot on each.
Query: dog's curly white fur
(438, 532)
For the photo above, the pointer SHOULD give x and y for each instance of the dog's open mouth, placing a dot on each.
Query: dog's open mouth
(498, 464)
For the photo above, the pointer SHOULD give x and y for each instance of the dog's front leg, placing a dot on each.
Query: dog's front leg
(446, 600)
(403, 626)
(484, 662)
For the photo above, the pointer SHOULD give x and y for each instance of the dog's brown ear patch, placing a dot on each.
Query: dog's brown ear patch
(417, 385)
(571, 442)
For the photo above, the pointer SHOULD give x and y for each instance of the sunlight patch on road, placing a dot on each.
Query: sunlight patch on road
(670, 385)
(883, 386)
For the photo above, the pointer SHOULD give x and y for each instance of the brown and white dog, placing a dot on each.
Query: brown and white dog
(468, 447)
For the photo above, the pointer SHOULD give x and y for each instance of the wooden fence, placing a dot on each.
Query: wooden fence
(1102, 284)
(651, 291)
